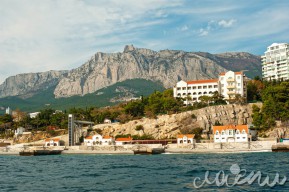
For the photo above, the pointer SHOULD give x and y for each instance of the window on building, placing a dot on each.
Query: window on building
(243, 132)
(230, 132)
(210, 86)
(217, 132)
(179, 94)
(194, 98)
(200, 93)
(237, 132)
(205, 93)
(215, 86)
(194, 87)
(239, 84)
(189, 88)
(204, 87)
(189, 93)
(184, 93)
(184, 88)
(199, 87)
(194, 93)
(223, 132)
(238, 77)
(210, 92)
(238, 137)
(178, 88)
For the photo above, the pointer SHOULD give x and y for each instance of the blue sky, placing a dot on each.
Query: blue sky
(42, 35)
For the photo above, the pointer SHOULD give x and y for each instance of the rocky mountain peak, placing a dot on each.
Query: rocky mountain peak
(128, 48)
(105, 69)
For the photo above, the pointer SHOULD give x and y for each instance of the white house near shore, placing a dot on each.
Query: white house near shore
(123, 141)
(98, 140)
(231, 133)
(183, 139)
(52, 142)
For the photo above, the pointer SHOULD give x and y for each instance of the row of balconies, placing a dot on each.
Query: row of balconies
(197, 87)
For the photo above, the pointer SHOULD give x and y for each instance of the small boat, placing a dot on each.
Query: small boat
(40, 152)
(149, 151)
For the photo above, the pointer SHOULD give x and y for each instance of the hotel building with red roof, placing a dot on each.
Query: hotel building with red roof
(228, 84)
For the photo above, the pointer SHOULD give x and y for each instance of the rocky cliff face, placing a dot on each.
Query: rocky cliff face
(27, 84)
(168, 126)
(165, 66)
(105, 69)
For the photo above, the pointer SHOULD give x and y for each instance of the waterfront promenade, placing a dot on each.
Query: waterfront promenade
(255, 146)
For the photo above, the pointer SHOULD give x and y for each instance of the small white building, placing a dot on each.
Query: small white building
(106, 120)
(184, 139)
(231, 133)
(123, 141)
(52, 142)
(33, 115)
(19, 131)
(98, 140)
(8, 111)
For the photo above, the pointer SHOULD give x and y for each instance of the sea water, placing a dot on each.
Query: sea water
(166, 172)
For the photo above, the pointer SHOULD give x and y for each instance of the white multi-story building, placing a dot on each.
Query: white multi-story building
(195, 89)
(275, 62)
(228, 84)
(230, 133)
(231, 84)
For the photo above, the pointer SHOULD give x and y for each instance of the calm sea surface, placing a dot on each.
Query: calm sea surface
(166, 172)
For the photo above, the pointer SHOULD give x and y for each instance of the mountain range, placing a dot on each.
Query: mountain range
(103, 70)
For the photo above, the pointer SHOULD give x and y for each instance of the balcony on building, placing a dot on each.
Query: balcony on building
(231, 86)
(230, 80)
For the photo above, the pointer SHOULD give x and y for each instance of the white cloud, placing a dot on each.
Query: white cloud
(228, 23)
(43, 35)
(203, 32)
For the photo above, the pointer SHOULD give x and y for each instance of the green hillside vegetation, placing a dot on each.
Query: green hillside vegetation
(275, 98)
(138, 87)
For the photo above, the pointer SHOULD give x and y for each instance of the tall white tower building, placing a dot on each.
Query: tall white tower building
(275, 62)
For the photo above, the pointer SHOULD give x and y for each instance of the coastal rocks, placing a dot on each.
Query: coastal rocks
(168, 126)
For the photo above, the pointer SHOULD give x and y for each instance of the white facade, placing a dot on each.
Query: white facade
(33, 115)
(195, 89)
(275, 62)
(232, 83)
(184, 139)
(19, 131)
(52, 142)
(8, 111)
(228, 84)
(230, 133)
(98, 140)
(123, 141)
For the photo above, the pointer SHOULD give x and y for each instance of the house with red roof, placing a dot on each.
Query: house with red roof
(49, 142)
(184, 139)
(231, 133)
(98, 140)
(123, 141)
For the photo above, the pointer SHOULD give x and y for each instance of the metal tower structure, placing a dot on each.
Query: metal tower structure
(75, 129)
